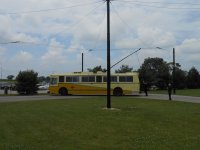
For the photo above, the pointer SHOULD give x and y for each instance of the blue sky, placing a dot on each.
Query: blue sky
(53, 34)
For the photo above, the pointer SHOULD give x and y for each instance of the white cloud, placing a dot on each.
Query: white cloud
(188, 53)
(90, 60)
(75, 47)
(23, 57)
(78, 29)
(55, 54)
(148, 38)
(189, 46)
(2, 52)
(156, 37)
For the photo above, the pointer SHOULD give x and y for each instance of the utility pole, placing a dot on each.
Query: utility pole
(108, 55)
(82, 62)
(174, 72)
(1, 71)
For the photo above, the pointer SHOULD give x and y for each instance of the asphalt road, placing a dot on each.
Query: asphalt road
(15, 92)
(33, 98)
(48, 97)
(190, 99)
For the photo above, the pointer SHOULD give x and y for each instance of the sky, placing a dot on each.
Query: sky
(50, 36)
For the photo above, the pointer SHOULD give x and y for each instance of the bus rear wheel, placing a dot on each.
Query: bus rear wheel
(118, 91)
(63, 91)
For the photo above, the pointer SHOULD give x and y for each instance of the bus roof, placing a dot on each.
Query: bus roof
(91, 73)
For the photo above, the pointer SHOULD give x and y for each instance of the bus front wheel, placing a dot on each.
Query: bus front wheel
(118, 91)
(63, 91)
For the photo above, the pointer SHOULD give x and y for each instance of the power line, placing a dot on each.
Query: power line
(125, 23)
(11, 42)
(125, 57)
(138, 60)
(49, 9)
(73, 26)
(156, 2)
(100, 31)
(93, 49)
(32, 43)
(162, 6)
(83, 18)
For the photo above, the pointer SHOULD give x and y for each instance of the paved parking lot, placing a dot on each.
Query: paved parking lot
(49, 97)
(15, 92)
(34, 98)
(190, 99)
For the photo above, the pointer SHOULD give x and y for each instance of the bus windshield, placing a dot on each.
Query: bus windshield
(53, 81)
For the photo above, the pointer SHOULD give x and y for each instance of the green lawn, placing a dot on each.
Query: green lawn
(185, 92)
(82, 124)
(189, 92)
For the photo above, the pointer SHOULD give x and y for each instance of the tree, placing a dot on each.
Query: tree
(180, 75)
(193, 78)
(124, 69)
(27, 82)
(10, 77)
(47, 79)
(95, 69)
(41, 79)
(180, 78)
(155, 71)
(170, 64)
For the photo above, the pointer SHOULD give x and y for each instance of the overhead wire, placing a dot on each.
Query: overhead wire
(76, 24)
(99, 34)
(35, 43)
(125, 57)
(162, 5)
(73, 26)
(125, 23)
(94, 49)
(47, 44)
(169, 3)
(82, 19)
(144, 48)
(49, 9)
(138, 60)
(53, 46)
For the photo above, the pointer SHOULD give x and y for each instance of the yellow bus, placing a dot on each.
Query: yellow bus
(89, 83)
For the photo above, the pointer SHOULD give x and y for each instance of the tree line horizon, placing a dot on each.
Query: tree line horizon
(153, 72)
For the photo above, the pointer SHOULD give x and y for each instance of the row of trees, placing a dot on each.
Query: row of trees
(40, 78)
(156, 71)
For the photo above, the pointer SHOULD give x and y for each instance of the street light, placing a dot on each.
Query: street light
(12, 42)
(83, 58)
(1, 70)
(174, 69)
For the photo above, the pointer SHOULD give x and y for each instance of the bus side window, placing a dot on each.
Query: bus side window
(88, 79)
(98, 79)
(129, 79)
(113, 78)
(72, 78)
(104, 79)
(68, 79)
(125, 79)
(75, 79)
(122, 79)
(91, 79)
(61, 78)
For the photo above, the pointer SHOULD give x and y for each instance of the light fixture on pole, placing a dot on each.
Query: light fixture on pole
(83, 59)
(174, 69)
